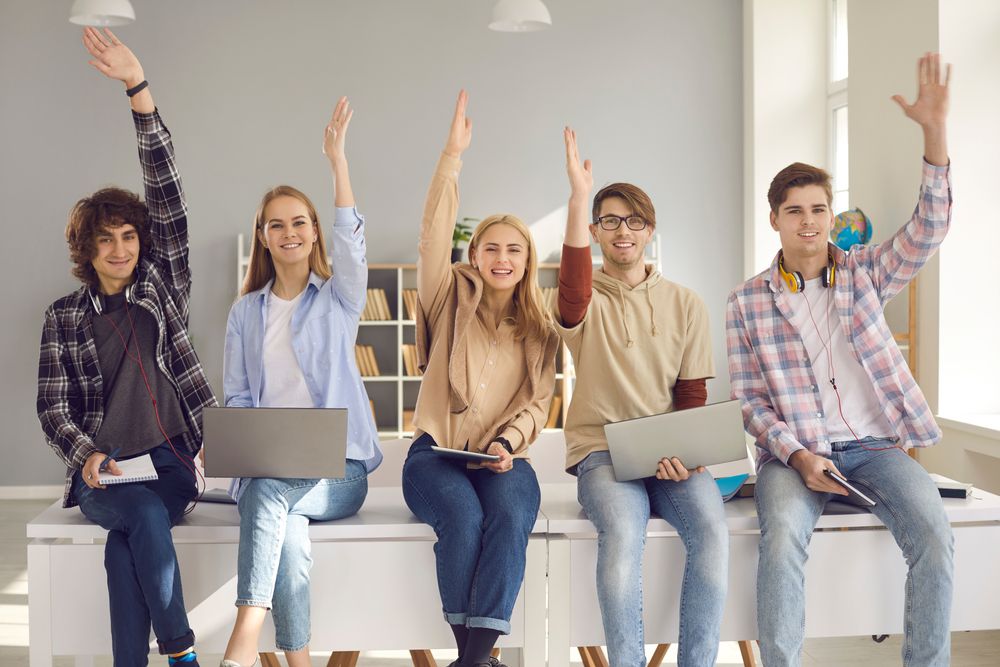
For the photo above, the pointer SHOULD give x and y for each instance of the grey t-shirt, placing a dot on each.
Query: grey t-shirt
(129, 418)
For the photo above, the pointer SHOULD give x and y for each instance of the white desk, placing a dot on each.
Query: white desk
(854, 576)
(373, 583)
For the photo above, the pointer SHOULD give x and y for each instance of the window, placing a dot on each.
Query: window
(837, 106)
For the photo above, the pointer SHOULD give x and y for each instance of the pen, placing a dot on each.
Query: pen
(108, 459)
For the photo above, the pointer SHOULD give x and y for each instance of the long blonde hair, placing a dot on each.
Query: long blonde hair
(531, 318)
(261, 268)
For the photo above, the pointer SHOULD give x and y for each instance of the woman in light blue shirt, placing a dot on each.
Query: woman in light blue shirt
(290, 343)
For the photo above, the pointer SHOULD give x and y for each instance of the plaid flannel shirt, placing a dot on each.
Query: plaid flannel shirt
(70, 390)
(770, 370)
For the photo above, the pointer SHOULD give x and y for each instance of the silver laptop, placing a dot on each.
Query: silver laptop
(275, 442)
(697, 436)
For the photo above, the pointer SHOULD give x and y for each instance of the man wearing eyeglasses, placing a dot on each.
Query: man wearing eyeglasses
(641, 346)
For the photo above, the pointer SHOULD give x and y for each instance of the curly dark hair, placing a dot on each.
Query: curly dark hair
(109, 208)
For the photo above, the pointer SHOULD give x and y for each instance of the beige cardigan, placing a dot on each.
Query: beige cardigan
(442, 339)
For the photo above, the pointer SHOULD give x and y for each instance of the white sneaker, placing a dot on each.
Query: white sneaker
(233, 663)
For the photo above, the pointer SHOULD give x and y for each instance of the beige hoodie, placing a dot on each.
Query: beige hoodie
(629, 350)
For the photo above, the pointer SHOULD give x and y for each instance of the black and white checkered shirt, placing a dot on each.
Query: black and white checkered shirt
(70, 392)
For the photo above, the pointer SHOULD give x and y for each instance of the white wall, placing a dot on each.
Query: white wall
(785, 87)
(958, 306)
(653, 88)
(970, 303)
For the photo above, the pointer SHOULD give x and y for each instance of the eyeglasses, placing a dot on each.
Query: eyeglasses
(610, 223)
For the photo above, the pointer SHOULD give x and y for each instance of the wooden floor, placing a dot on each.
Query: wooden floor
(969, 649)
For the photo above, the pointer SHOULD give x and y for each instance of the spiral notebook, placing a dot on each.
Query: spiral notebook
(139, 469)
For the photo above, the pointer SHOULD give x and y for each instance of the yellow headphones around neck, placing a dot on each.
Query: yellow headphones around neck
(795, 281)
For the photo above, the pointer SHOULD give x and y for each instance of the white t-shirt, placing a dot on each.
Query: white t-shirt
(283, 385)
(826, 343)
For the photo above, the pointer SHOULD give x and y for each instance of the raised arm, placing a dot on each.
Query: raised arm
(350, 269)
(896, 261)
(440, 210)
(162, 183)
(576, 277)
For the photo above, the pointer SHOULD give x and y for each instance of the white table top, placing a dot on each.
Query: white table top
(565, 516)
(383, 516)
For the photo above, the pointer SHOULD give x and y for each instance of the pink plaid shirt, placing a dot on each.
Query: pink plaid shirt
(769, 368)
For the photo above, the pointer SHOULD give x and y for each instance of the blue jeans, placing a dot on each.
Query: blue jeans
(274, 561)
(620, 511)
(908, 504)
(144, 580)
(482, 521)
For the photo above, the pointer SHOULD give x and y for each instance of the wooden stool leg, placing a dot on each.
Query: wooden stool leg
(658, 655)
(593, 656)
(343, 659)
(495, 652)
(269, 660)
(746, 650)
(422, 658)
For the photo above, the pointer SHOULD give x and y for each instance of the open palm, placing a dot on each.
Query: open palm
(931, 106)
(112, 58)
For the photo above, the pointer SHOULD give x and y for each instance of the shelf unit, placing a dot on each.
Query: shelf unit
(393, 392)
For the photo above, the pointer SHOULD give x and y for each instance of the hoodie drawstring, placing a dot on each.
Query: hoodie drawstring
(652, 313)
(628, 332)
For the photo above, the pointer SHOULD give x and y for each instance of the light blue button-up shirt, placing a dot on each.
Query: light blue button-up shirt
(324, 331)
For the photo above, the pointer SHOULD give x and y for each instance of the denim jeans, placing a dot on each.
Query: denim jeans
(274, 561)
(482, 521)
(144, 580)
(620, 511)
(908, 504)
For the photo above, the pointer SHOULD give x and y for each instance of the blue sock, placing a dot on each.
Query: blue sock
(190, 656)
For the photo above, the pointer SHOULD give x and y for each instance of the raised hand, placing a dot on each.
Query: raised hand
(931, 106)
(460, 134)
(112, 58)
(336, 131)
(581, 177)
(930, 110)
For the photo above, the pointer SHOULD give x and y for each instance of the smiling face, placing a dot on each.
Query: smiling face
(501, 256)
(623, 248)
(116, 252)
(288, 231)
(803, 222)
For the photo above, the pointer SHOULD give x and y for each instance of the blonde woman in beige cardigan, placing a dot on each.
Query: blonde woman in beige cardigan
(487, 346)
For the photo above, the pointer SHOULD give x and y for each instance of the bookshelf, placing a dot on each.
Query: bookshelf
(382, 343)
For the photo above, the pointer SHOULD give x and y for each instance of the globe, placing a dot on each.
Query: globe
(851, 228)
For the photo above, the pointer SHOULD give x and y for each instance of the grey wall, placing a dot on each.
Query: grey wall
(653, 88)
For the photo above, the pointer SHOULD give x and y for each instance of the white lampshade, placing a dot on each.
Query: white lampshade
(520, 16)
(101, 13)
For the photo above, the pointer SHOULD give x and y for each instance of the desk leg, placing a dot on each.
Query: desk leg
(422, 658)
(593, 656)
(559, 611)
(534, 591)
(746, 650)
(39, 604)
(658, 655)
(343, 659)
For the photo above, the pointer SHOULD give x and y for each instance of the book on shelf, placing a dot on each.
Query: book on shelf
(364, 355)
(410, 363)
(376, 305)
(408, 421)
(410, 303)
(554, 409)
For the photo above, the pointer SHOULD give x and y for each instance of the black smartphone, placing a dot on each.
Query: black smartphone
(855, 495)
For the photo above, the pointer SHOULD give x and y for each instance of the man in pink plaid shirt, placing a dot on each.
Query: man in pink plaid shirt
(825, 389)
